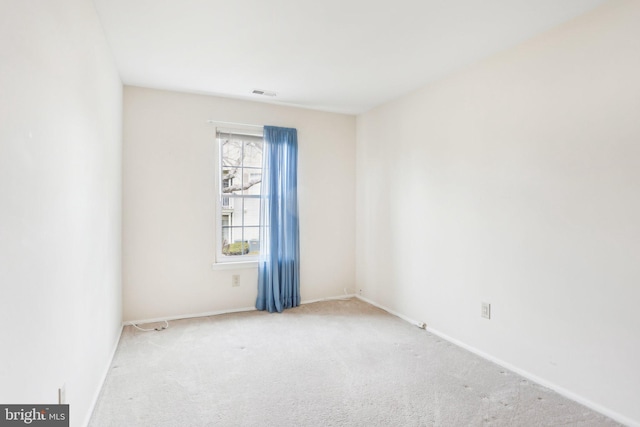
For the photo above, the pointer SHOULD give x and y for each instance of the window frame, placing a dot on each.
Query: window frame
(220, 258)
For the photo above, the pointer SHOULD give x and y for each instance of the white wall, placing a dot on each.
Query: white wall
(169, 194)
(60, 203)
(517, 182)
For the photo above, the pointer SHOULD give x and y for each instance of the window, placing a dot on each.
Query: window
(239, 175)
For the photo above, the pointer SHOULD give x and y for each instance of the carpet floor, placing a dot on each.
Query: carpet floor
(333, 363)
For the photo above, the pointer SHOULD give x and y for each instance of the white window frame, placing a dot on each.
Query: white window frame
(220, 258)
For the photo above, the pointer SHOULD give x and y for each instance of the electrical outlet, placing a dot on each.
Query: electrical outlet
(360, 292)
(62, 395)
(422, 325)
(235, 280)
(486, 310)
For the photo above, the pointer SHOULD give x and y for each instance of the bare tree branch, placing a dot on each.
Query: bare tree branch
(246, 186)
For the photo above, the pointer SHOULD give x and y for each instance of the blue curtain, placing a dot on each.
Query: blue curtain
(279, 262)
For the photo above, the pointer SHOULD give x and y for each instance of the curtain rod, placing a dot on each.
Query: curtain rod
(233, 123)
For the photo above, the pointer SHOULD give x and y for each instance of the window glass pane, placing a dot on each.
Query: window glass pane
(252, 156)
(235, 245)
(252, 181)
(251, 212)
(252, 237)
(226, 203)
(226, 238)
(235, 214)
(231, 151)
(231, 180)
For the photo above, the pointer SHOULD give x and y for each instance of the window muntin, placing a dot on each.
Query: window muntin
(238, 202)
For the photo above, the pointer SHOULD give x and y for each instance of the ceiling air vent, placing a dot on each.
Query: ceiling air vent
(263, 92)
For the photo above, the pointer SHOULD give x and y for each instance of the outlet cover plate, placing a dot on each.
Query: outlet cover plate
(486, 310)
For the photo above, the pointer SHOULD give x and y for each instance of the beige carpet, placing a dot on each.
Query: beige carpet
(335, 363)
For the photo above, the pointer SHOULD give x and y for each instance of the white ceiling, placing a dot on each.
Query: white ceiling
(338, 55)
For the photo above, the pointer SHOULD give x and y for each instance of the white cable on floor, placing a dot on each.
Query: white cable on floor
(166, 325)
(346, 296)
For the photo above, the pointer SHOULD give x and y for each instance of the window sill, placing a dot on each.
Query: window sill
(242, 265)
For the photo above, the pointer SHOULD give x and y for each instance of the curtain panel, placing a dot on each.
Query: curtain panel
(279, 261)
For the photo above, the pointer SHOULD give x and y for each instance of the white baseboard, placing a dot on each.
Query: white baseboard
(187, 316)
(103, 378)
(341, 297)
(560, 390)
(388, 310)
(217, 312)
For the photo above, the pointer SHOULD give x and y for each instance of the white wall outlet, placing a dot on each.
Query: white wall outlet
(62, 395)
(422, 325)
(235, 280)
(486, 310)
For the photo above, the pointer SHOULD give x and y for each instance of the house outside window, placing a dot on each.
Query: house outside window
(239, 174)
